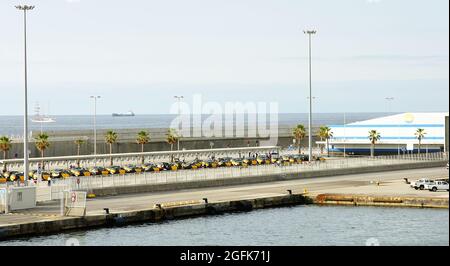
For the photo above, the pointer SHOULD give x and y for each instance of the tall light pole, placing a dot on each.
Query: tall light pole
(179, 98)
(310, 33)
(25, 8)
(345, 133)
(95, 122)
(389, 100)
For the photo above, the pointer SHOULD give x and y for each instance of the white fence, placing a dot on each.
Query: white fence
(74, 203)
(3, 202)
(92, 182)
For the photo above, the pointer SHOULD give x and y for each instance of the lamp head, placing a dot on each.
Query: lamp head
(310, 32)
(25, 7)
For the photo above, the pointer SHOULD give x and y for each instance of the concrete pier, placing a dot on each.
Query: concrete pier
(380, 200)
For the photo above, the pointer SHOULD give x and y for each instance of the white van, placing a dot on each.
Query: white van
(437, 185)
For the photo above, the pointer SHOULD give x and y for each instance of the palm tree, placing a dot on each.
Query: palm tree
(110, 138)
(42, 143)
(5, 146)
(326, 133)
(299, 133)
(172, 138)
(79, 142)
(143, 137)
(420, 134)
(374, 136)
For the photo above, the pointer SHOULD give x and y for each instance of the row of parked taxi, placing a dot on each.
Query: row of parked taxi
(177, 164)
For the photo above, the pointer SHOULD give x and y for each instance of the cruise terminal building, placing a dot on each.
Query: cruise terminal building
(397, 134)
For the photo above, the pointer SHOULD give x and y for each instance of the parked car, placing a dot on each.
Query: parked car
(129, 168)
(33, 174)
(239, 162)
(150, 167)
(114, 170)
(420, 184)
(437, 185)
(60, 173)
(250, 161)
(210, 164)
(80, 172)
(263, 159)
(275, 157)
(45, 175)
(14, 176)
(170, 166)
(97, 170)
(191, 165)
(2, 179)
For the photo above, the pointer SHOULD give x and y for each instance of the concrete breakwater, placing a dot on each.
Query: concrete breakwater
(154, 214)
(62, 142)
(384, 201)
(112, 191)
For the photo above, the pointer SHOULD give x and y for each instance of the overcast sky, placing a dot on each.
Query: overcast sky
(138, 54)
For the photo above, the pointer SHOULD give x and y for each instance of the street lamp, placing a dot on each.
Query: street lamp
(25, 8)
(389, 100)
(179, 98)
(345, 133)
(310, 33)
(95, 122)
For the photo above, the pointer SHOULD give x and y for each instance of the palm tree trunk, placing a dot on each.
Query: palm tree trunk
(142, 150)
(4, 165)
(299, 147)
(328, 149)
(42, 156)
(372, 150)
(110, 153)
(420, 144)
(78, 154)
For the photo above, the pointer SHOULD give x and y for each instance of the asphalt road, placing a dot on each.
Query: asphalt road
(392, 183)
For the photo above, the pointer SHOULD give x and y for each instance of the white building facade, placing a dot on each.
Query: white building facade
(397, 134)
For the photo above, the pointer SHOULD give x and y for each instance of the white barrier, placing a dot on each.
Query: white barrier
(3, 200)
(21, 198)
(74, 203)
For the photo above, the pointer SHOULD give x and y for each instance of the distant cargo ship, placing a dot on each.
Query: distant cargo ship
(129, 113)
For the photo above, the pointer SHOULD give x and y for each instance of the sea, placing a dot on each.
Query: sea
(13, 125)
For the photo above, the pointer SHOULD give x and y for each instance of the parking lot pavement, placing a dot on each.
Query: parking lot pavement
(391, 187)
(391, 184)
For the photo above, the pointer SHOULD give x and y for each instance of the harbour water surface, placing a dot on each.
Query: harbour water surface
(302, 225)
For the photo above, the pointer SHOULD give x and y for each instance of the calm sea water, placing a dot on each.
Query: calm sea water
(302, 225)
(13, 125)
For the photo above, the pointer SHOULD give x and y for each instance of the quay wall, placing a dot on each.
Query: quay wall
(384, 201)
(154, 214)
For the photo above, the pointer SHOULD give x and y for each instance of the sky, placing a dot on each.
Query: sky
(138, 54)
